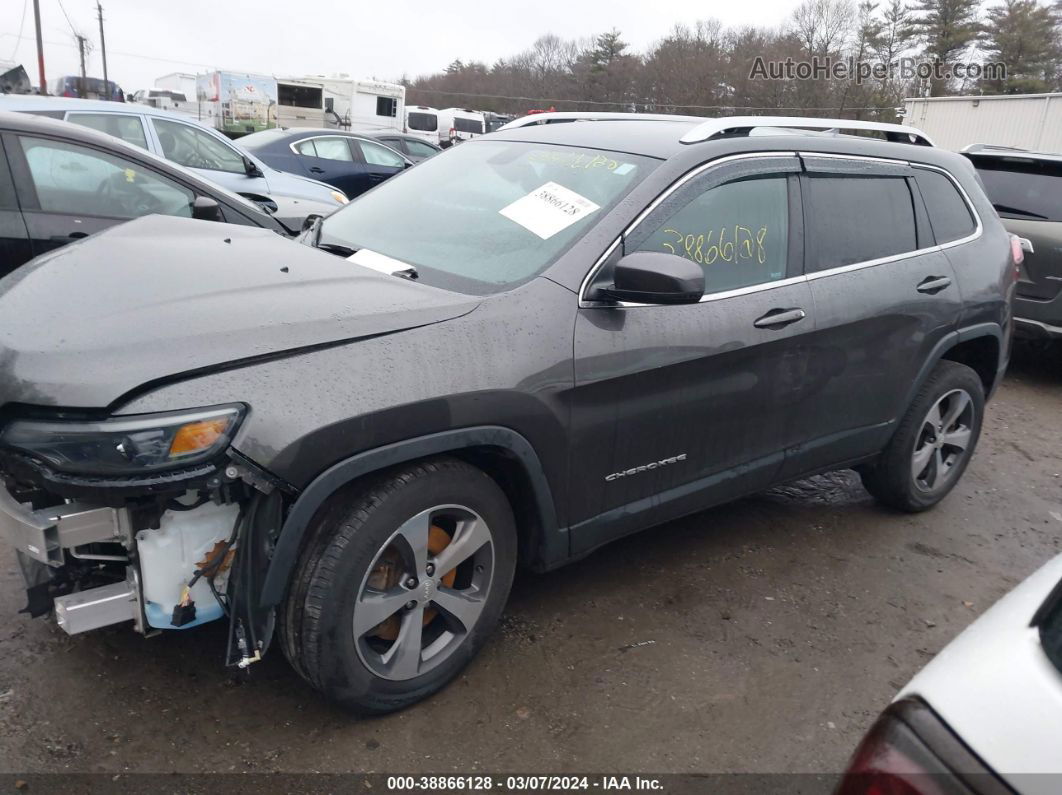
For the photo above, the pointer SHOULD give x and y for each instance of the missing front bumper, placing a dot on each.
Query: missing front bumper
(43, 534)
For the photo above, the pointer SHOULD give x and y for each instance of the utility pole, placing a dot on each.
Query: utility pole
(40, 47)
(103, 48)
(83, 88)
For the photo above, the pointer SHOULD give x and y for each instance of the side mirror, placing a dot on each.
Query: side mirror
(206, 209)
(250, 168)
(647, 277)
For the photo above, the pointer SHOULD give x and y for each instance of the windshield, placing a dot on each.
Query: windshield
(1023, 188)
(486, 216)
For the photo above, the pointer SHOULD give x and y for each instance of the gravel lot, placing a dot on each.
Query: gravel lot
(763, 636)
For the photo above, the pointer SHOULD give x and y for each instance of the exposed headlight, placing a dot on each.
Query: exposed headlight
(126, 445)
(340, 197)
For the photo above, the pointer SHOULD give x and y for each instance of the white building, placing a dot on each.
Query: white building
(1026, 121)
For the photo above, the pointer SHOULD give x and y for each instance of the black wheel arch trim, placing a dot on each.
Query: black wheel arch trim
(948, 342)
(551, 547)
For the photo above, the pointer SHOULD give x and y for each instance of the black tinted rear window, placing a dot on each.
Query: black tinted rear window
(857, 219)
(949, 214)
(425, 122)
(1022, 188)
(468, 125)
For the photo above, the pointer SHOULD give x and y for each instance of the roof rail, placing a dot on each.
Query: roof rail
(743, 125)
(709, 128)
(974, 148)
(553, 116)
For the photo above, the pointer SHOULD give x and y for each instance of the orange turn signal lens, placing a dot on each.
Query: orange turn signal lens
(198, 436)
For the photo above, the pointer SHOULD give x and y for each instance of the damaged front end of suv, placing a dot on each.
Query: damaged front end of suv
(149, 518)
(140, 419)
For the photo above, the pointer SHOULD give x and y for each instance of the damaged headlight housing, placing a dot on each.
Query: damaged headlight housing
(128, 445)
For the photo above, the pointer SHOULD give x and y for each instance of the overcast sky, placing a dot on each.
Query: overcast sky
(149, 38)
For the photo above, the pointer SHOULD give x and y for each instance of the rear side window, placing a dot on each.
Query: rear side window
(949, 214)
(377, 155)
(468, 125)
(1024, 189)
(419, 148)
(386, 106)
(330, 148)
(129, 128)
(425, 122)
(857, 219)
(738, 232)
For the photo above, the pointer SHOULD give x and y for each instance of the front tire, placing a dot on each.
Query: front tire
(934, 442)
(400, 585)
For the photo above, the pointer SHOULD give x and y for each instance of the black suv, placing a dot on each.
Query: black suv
(1026, 190)
(522, 349)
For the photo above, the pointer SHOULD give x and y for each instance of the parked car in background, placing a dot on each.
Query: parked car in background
(1026, 190)
(411, 146)
(460, 124)
(60, 182)
(351, 162)
(205, 151)
(87, 88)
(537, 343)
(495, 121)
(985, 715)
(423, 122)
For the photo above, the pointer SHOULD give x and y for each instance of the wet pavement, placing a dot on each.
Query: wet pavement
(762, 636)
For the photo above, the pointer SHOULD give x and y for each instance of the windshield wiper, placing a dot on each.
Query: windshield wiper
(1006, 208)
(337, 249)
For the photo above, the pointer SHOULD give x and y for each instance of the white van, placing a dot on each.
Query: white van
(460, 124)
(423, 122)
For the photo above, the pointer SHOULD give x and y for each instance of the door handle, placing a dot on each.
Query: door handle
(778, 318)
(933, 284)
(316, 170)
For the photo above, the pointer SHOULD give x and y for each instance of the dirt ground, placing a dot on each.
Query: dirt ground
(763, 636)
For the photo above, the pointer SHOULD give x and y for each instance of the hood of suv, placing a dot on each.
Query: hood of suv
(160, 297)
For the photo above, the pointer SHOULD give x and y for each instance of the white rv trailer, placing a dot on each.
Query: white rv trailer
(1025, 121)
(362, 104)
(300, 102)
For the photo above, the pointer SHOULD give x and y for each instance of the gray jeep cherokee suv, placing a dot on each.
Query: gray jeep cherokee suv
(524, 348)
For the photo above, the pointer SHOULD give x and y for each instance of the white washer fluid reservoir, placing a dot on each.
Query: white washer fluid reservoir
(170, 556)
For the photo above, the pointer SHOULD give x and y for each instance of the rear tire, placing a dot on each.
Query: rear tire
(933, 444)
(368, 620)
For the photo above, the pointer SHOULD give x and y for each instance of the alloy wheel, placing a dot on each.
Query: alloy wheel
(943, 441)
(424, 592)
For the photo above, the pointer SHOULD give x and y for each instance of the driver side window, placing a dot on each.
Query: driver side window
(737, 231)
(78, 180)
(187, 146)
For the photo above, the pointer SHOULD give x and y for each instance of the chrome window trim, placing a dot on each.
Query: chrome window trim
(294, 151)
(806, 277)
(674, 186)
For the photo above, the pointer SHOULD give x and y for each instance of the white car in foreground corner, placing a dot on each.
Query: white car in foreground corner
(985, 715)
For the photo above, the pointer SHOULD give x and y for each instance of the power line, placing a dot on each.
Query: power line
(68, 22)
(124, 54)
(18, 38)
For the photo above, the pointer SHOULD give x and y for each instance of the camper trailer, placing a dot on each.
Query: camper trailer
(300, 102)
(362, 104)
(237, 103)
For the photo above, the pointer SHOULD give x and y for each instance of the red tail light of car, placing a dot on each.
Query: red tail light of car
(909, 751)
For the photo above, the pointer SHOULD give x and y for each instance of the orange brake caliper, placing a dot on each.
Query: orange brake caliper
(388, 570)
